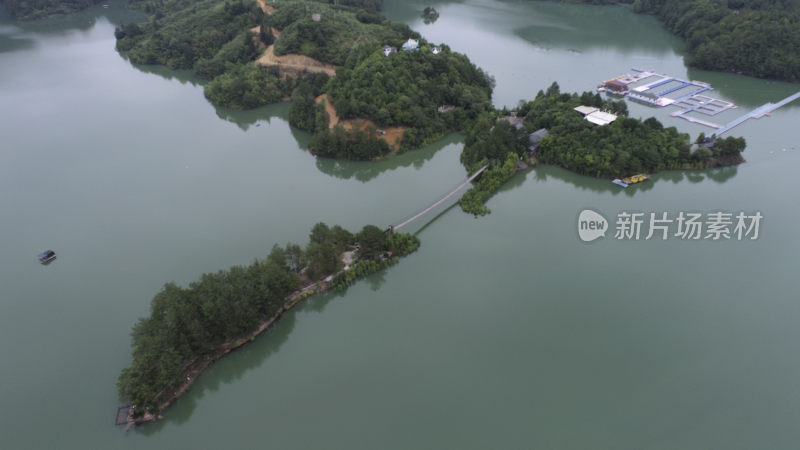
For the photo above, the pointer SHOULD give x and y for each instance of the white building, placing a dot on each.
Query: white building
(595, 116)
(388, 50)
(411, 45)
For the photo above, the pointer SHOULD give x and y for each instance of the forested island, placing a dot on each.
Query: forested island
(751, 37)
(624, 147)
(190, 328)
(387, 77)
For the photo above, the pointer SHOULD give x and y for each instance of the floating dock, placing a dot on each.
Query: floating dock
(757, 113)
(661, 90)
(123, 413)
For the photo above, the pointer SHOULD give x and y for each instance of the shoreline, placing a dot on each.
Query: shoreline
(199, 365)
(340, 280)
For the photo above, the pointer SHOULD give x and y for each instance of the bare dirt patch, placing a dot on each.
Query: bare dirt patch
(265, 7)
(393, 134)
(293, 64)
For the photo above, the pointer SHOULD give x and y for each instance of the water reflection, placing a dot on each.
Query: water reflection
(117, 13)
(409, 10)
(245, 119)
(720, 175)
(575, 28)
(183, 76)
(261, 116)
(367, 170)
(746, 92)
(11, 38)
(227, 370)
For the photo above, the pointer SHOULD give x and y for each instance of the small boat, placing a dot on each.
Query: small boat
(633, 179)
(47, 257)
(619, 182)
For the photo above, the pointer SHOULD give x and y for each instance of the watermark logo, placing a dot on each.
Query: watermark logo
(634, 226)
(591, 225)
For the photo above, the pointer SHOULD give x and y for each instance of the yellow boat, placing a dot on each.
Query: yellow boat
(633, 179)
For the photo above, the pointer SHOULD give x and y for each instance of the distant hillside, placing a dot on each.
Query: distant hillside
(37, 9)
(752, 37)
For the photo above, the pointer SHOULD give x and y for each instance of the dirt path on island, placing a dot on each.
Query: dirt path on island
(293, 63)
(290, 64)
(265, 7)
(393, 134)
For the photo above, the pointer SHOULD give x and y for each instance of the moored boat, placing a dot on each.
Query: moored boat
(47, 256)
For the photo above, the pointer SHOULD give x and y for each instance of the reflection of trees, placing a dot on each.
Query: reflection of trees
(575, 28)
(243, 119)
(116, 13)
(747, 92)
(11, 43)
(14, 35)
(228, 369)
(720, 175)
(376, 280)
(366, 170)
(543, 172)
(359, 170)
(255, 117)
(184, 76)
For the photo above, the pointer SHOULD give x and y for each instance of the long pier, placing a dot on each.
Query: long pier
(440, 201)
(757, 113)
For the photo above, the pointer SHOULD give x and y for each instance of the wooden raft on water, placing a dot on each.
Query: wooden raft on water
(122, 415)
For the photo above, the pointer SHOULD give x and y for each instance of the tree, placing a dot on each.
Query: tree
(372, 240)
(295, 257)
(265, 34)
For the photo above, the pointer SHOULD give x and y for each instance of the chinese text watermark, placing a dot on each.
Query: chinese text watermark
(634, 226)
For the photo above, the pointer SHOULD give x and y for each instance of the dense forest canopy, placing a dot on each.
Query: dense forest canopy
(408, 88)
(36, 9)
(187, 324)
(183, 35)
(339, 32)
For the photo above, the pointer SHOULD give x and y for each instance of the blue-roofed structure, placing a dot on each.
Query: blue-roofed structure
(411, 45)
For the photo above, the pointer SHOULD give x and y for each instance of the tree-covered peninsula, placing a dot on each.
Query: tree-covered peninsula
(624, 147)
(254, 53)
(189, 328)
(752, 37)
(37, 9)
(225, 41)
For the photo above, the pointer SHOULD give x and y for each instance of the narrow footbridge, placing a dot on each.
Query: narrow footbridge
(438, 202)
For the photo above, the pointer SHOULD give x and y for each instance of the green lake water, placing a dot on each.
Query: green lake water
(500, 332)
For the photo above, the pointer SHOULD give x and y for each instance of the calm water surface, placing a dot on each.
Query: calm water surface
(500, 332)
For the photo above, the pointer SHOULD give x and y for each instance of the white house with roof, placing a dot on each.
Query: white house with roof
(595, 116)
(411, 45)
(388, 50)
